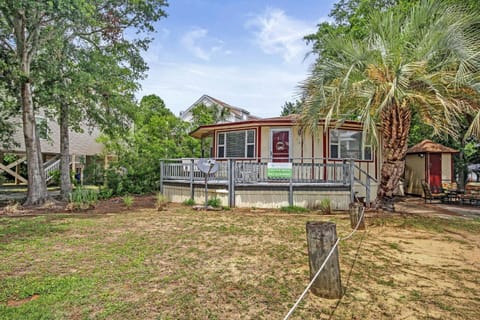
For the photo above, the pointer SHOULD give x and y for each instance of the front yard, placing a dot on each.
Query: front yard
(238, 264)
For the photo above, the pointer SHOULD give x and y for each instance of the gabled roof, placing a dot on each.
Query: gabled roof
(235, 110)
(428, 146)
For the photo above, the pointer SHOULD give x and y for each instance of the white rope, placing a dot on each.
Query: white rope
(356, 227)
(322, 266)
(312, 281)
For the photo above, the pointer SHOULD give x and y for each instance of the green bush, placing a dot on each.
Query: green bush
(189, 202)
(215, 202)
(55, 177)
(137, 178)
(105, 193)
(294, 209)
(94, 172)
(82, 198)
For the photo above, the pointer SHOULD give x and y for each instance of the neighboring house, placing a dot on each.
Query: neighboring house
(430, 162)
(332, 163)
(83, 148)
(234, 113)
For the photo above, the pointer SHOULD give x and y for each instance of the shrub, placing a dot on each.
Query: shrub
(215, 202)
(55, 177)
(189, 202)
(294, 209)
(82, 198)
(325, 206)
(128, 201)
(105, 193)
(133, 176)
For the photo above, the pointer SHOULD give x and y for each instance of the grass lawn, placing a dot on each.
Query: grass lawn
(185, 264)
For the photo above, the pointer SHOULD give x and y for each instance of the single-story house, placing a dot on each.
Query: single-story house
(334, 163)
(430, 162)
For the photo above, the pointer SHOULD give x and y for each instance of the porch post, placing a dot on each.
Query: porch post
(290, 193)
(192, 191)
(346, 171)
(367, 190)
(161, 176)
(231, 182)
(352, 181)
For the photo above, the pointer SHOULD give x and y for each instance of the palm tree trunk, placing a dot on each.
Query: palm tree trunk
(396, 122)
(65, 181)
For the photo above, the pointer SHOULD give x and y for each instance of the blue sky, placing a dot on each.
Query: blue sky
(248, 53)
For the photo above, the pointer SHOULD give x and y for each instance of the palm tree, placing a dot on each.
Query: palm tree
(426, 59)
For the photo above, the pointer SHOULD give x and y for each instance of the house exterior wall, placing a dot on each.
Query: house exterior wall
(316, 146)
(414, 174)
(268, 198)
(238, 115)
(80, 143)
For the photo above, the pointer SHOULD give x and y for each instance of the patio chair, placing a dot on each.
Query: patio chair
(430, 196)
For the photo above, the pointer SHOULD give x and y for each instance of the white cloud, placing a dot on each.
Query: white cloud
(277, 33)
(260, 89)
(200, 44)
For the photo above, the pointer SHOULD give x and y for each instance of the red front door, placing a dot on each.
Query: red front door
(435, 171)
(280, 145)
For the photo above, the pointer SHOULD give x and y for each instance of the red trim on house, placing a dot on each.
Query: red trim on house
(427, 172)
(266, 122)
(214, 144)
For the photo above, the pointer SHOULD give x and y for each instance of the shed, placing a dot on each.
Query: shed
(431, 162)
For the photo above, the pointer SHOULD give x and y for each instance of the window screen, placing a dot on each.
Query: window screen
(347, 144)
(236, 144)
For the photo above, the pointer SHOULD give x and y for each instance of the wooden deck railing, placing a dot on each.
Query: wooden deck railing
(242, 172)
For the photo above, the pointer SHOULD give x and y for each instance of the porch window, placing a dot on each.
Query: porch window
(348, 144)
(236, 144)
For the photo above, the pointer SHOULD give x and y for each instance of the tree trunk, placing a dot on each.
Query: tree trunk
(65, 180)
(396, 122)
(25, 47)
(37, 189)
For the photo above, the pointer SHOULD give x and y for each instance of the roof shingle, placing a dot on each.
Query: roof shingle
(428, 146)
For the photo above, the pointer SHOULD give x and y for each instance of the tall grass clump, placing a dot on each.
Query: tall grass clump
(128, 201)
(83, 198)
(160, 201)
(325, 206)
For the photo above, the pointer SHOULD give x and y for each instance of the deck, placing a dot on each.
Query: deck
(243, 182)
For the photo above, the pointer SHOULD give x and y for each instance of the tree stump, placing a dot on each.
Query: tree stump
(356, 210)
(321, 236)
